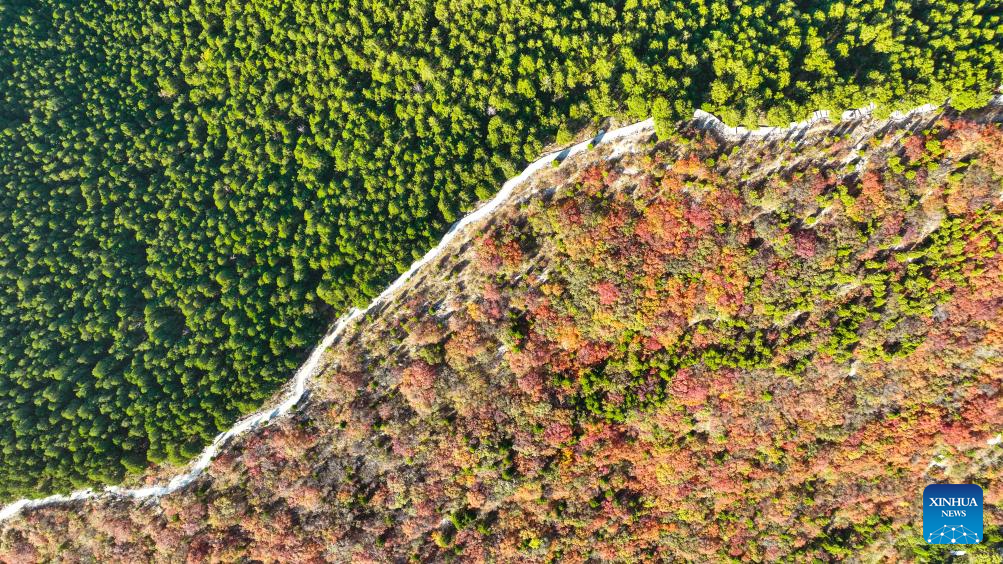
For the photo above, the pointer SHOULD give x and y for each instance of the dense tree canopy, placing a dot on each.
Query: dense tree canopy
(190, 190)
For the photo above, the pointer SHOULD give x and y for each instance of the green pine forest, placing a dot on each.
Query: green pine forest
(191, 191)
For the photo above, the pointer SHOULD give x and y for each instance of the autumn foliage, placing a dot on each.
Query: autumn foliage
(698, 352)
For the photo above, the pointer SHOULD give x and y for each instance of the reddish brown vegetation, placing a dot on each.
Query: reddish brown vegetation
(666, 374)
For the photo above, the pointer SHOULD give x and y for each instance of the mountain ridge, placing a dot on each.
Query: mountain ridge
(267, 413)
(590, 197)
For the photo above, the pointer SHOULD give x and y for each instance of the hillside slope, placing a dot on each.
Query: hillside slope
(191, 191)
(699, 350)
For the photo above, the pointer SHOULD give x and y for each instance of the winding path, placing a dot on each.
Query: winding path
(307, 370)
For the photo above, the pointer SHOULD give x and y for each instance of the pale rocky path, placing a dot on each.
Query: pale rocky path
(297, 387)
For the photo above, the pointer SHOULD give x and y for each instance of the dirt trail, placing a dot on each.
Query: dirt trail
(295, 391)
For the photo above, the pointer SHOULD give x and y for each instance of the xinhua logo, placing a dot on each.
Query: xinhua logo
(952, 514)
